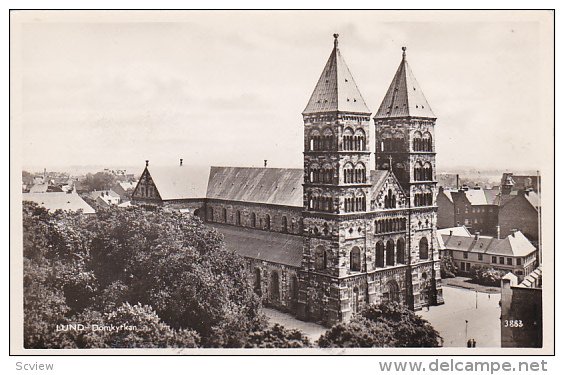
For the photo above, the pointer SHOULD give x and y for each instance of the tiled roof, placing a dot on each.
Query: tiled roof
(461, 231)
(404, 96)
(279, 186)
(533, 198)
(102, 193)
(491, 195)
(513, 245)
(476, 197)
(533, 280)
(268, 246)
(127, 185)
(39, 188)
(456, 231)
(59, 201)
(180, 182)
(336, 89)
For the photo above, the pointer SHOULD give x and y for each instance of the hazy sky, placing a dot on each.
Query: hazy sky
(228, 88)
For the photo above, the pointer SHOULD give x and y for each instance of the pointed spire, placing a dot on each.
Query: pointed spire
(336, 89)
(404, 96)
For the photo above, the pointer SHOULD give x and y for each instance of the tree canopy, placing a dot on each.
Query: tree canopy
(162, 268)
(385, 325)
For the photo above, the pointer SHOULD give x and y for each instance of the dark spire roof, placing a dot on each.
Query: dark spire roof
(336, 89)
(404, 97)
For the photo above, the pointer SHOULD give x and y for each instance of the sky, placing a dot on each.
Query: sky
(228, 88)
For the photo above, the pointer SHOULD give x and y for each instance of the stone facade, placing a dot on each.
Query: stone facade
(282, 219)
(366, 236)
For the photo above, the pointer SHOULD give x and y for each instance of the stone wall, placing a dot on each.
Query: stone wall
(266, 217)
(276, 284)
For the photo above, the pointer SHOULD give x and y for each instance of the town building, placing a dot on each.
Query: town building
(494, 212)
(521, 311)
(70, 201)
(520, 209)
(323, 240)
(515, 253)
(105, 198)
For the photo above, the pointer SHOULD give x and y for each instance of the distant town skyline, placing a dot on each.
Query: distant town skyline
(228, 88)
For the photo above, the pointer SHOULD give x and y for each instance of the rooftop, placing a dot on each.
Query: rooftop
(513, 245)
(404, 96)
(268, 246)
(59, 201)
(180, 182)
(278, 186)
(336, 89)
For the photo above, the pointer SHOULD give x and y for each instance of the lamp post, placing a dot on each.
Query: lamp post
(466, 331)
(476, 299)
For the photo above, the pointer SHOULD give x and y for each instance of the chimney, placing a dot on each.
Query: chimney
(265, 162)
(476, 235)
(457, 181)
(146, 163)
(498, 230)
(181, 162)
(513, 231)
(450, 234)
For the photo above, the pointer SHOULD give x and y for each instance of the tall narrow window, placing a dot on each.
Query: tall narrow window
(274, 286)
(400, 251)
(355, 259)
(380, 254)
(253, 220)
(423, 248)
(257, 286)
(284, 224)
(320, 258)
(224, 214)
(267, 222)
(390, 256)
(238, 218)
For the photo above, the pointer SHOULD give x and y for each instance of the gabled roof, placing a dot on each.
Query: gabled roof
(533, 198)
(127, 185)
(404, 96)
(516, 244)
(279, 186)
(39, 188)
(59, 201)
(378, 177)
(268, 246)
(103, 193)
(456, 231)
(461, 231)
(336, 89)
(180, 182)
(491, 195)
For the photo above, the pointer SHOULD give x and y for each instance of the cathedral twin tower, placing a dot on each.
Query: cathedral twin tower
(369, 235)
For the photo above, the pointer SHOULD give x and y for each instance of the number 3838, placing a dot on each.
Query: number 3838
(513, 323)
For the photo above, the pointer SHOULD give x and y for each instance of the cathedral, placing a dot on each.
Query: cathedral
(322, 241)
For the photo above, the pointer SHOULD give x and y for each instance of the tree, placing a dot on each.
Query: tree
(358, 333)
(277, 337)
(448, 267)
(386, 325)
(99, 181)
(168, 261)
(486, 275)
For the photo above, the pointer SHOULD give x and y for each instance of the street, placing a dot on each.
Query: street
(460, 306)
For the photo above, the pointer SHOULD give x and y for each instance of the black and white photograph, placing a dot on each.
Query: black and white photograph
(282, 182)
